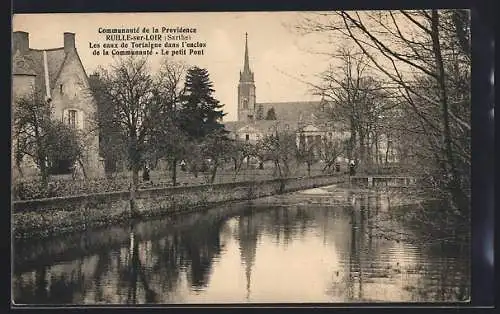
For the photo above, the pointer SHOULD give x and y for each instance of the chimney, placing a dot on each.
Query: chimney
(69, 42)
(21, 42)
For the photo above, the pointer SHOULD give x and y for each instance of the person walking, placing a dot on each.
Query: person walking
(352, 168)
(145, 174)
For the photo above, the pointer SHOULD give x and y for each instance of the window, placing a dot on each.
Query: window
(61, 89)
(247, 137)
(245, 103)
(72, 118)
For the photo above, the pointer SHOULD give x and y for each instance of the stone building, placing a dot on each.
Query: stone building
(57, 74)
(304, 118)
(307, 119)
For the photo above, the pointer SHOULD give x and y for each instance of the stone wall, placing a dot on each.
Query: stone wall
(50, 216)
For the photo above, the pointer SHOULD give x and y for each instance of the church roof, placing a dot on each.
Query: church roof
(292, 115)
(293, 111)
(262, 126)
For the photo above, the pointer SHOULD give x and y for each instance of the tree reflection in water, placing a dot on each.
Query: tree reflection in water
(373, 263)
(162, 262)
(133, 274)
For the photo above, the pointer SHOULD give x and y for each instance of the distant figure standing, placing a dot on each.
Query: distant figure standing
(352, 168)
(145, 174)
(75, 171)
(337, 167)
(183, 165)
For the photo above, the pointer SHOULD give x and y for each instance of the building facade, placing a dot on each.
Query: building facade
(303, 118)
(308, 120)
(58, 75)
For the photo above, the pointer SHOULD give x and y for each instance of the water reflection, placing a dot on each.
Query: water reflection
(302, 247)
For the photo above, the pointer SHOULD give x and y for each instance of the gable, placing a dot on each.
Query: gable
(55, 63)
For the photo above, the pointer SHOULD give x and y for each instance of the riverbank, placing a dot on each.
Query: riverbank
(60, 215)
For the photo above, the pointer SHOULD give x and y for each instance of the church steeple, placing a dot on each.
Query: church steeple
(246, 89)
(247, 74)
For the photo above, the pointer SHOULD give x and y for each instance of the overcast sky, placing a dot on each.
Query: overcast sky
(279, 57)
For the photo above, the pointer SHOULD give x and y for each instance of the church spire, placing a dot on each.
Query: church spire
(246, 67)
(247, 74)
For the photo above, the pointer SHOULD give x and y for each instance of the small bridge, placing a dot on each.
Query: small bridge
(383, 181)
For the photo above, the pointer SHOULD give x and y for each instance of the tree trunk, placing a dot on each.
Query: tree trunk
(174, 172)
(362, 151)
(84, 172)
(133, 190)
(214, 172)
(352, 141)
(277, 163)
(455, 188)
(44, 174)
(387, 153)
(287, 168)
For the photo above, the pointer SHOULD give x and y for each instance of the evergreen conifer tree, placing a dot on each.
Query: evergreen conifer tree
(271, 114)
(200, 113)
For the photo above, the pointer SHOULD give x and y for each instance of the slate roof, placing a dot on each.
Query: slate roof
(264, 126)
(32, 63)
(292, 111)
(22, 65)
(291, 116)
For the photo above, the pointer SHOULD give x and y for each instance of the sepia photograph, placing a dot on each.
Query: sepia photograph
(309, 157)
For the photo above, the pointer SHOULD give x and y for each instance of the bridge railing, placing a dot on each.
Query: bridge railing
(383, 181)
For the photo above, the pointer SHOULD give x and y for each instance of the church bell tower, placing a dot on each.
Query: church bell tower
(246, 90)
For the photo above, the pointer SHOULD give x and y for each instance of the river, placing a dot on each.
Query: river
(320, 246)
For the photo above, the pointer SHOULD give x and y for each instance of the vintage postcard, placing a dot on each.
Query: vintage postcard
(241, 157)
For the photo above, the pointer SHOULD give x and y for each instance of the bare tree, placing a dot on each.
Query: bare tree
(129, 87)
(332, 150)
(425, 54)
(280, 147)
(170, 142)
(38, 136)
(358, 100)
